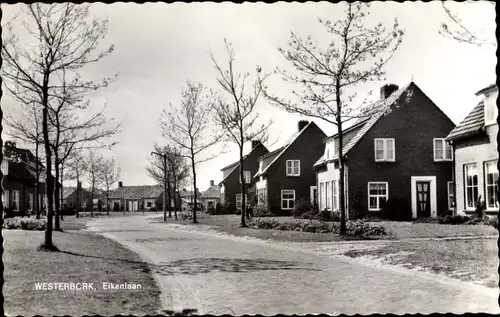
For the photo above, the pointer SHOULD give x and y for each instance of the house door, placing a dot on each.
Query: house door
(423, 199)
(314, 194)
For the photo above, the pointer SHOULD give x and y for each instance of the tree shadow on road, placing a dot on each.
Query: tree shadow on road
(207, 265)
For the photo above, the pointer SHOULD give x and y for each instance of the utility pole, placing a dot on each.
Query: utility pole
(164, 155)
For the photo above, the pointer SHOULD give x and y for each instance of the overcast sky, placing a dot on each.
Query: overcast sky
(160, 46)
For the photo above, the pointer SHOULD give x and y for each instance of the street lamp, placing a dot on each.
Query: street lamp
(164, 155)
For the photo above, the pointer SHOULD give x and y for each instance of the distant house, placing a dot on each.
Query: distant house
(476, 155)
(19, 182)
(211, 196)
(134, 198)
(69, 198)
(230, 186)
(187, 199)
(286, 175)
(396, 156)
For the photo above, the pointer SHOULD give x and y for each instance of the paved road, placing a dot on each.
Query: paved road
(218, 274)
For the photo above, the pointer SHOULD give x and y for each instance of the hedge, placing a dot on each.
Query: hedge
(24, 223)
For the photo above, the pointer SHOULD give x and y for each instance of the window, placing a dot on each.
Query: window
(222, 194)
(287, 199)
(246, 176)
(471, 186)
(292, 168)
(149, 204)
(442, 150)
(45, 201)
(15, 200)
(328, 196)
(30, 202)
(262, 196)
(5, 198)
(384, 150)
(451, 195)
(238, 200)
(335, 194)
(327, 153)
(491, 183)
(378, 193)
(322, 196)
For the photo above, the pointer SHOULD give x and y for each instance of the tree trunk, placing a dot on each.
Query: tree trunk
(48, 244)
(62, 191)
(341, 165)
(175, 197)
(57, 202)
(242, 190)
(194, 185)
(164, 156)
(92, 201)
(77, 194)
(37, 186)
(107, 201)
(169, 203)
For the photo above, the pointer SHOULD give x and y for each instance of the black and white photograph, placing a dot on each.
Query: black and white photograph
(252, 158)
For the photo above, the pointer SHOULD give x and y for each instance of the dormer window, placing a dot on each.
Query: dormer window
(490, 107)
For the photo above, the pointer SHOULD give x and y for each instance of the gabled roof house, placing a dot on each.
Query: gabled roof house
(395, 154)
(476, 155)
(230, 186)
(286, 175)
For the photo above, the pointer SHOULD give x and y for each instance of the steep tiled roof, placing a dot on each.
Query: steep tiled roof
(232, 165)
(188, 193)
(211, 192)
(136, 192)
(379, 109)
(471, 125)
(273, 157)
(68, 191)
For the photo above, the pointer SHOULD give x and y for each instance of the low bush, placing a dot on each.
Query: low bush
(261, 211)
(301, 207)
(453, 220)
(152, 209)
(354, 228)
(426, 220)
(185, 216)
(24, 223)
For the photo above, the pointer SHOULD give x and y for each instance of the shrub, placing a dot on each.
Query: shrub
(152, 208)
(261, 211)
(493, 221)
(453, 220)
(301, 207)
(228, 209)
(361, 228)
(186, 216)
(427, 220)
(24, 223)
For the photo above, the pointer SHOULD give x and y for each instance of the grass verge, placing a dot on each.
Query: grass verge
(474, 260)
(83, 258)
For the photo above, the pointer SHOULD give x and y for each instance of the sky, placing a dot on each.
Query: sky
(158, 47)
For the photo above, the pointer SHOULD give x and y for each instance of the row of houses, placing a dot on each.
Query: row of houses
(406, 151)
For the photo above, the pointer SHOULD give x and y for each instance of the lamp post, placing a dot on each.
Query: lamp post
(164, 155)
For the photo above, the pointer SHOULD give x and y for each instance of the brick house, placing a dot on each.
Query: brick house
(19, 183)
(134, 198)
(397, 155)
(211, 196)
(286, 175)
(476, 156)
(69, 199)
(230, 186)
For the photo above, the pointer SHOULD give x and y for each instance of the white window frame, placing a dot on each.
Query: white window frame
(5, 198)
(377, 195)
(247, 176)
(15, 199)
(486, 184)
(335, 196)
(322, 196)
(466, 186)
(287, 200)
(385, 142)
(444, 146)
(30, 202)
(240, 200)
(451, 194)
(292, 167)
(328, 187)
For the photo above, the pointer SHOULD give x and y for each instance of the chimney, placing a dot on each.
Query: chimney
(255, 143)
(387, 90)
(211, 183)
(302, 124)
(120, 184)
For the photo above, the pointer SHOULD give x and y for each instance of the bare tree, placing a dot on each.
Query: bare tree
(26, 127)
(188, 128)
(94, 175)
(356, 54)
(65, 39)
(238, 117)
(456, 29)
(76, 169)
(177, 171)
(110, 175)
